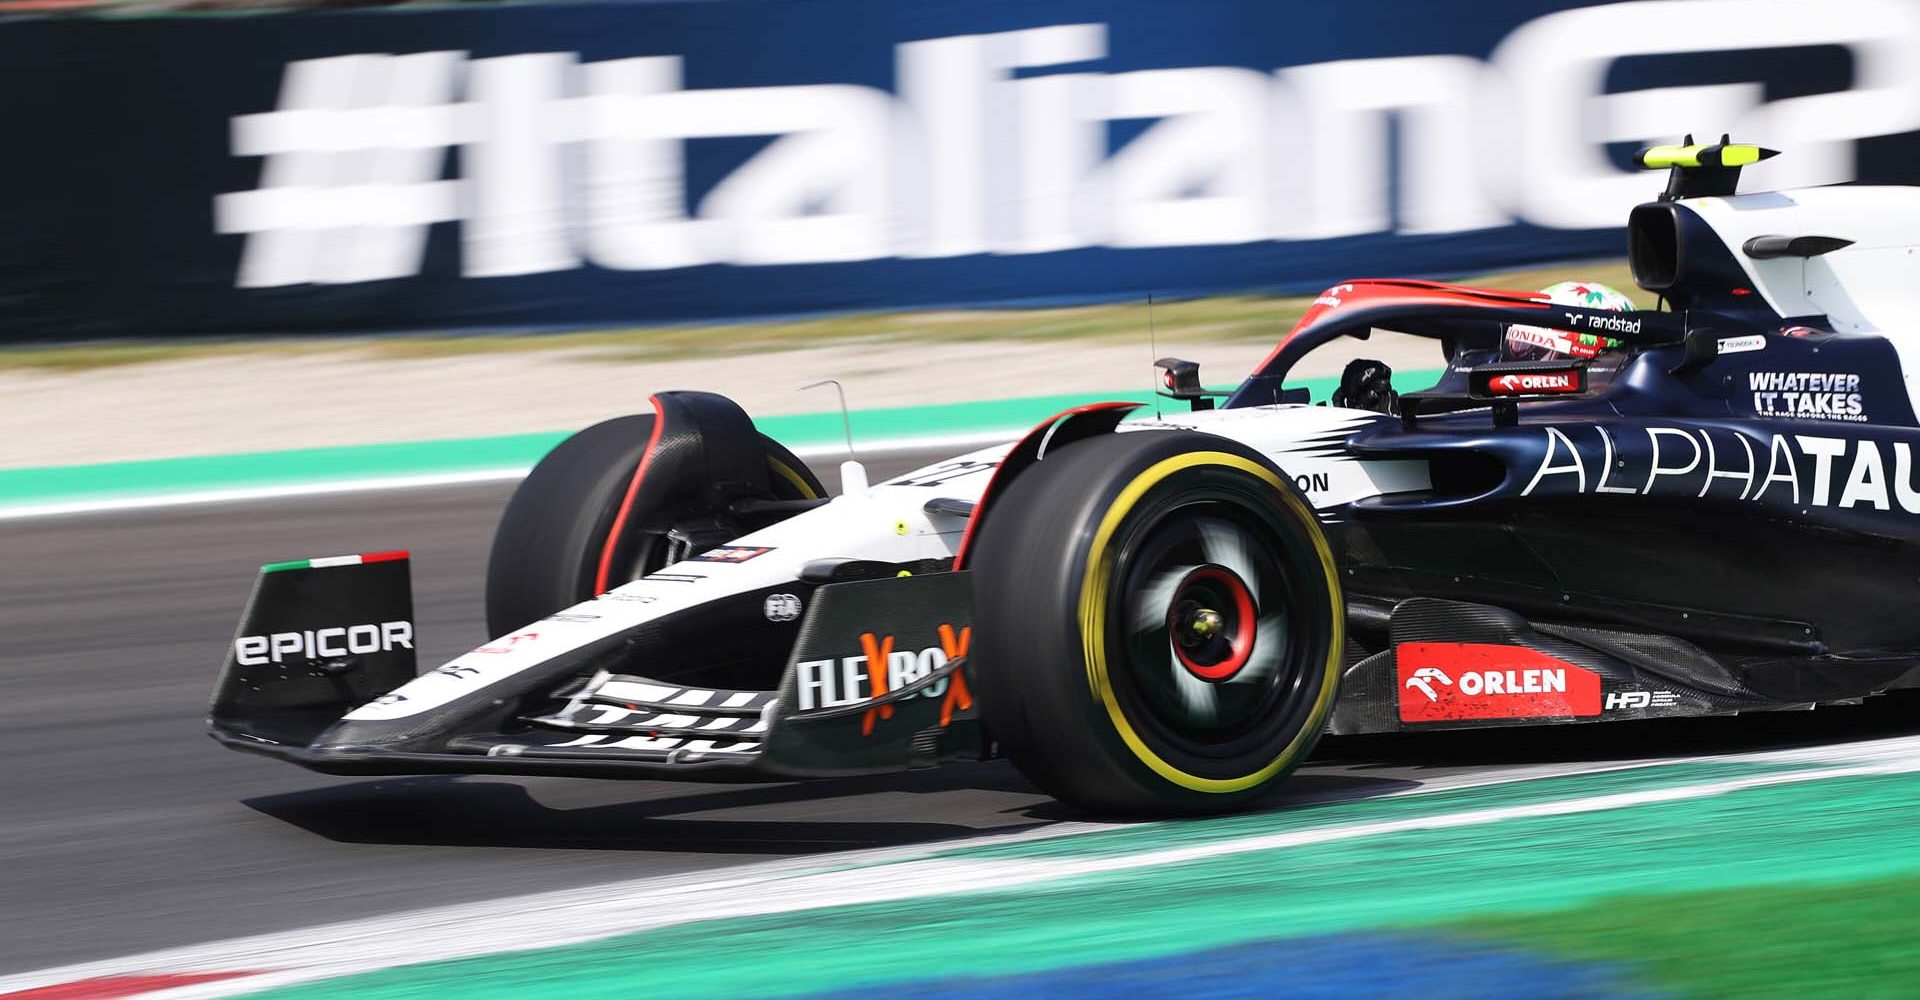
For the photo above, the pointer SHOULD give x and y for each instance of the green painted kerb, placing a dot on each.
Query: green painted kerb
(1142, 837)
(1498, 880)
(292, 468)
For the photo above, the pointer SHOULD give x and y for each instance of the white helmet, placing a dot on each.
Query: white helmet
(1538, 343)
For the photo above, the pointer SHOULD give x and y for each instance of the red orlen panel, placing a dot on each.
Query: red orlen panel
(1534, 383)
(1454, 681)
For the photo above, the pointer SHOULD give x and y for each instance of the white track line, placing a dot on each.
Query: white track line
(584, 914)
(194, 498)
(241, 494)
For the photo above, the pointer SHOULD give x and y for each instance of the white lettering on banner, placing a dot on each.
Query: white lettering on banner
(1347, 106)
(352, 177)
(819, 192)
(635, 220)
(960, 193)
(998, 143)
(517, 220)
(1198, 177)
(1554, 135)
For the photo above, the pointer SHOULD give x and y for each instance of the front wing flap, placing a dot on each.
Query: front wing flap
(875, 682)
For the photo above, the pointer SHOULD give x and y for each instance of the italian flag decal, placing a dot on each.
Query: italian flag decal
(356, 560)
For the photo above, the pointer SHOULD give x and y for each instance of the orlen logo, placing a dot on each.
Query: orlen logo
(323, 643)
(1506, 385)
(1331, 297)
(1424, 680)
(1448, 681)
(879, 669)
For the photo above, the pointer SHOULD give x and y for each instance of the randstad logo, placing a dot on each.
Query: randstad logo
(1613, 324)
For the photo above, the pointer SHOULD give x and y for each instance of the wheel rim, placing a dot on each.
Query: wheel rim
(1212, 623)
(1212, 651)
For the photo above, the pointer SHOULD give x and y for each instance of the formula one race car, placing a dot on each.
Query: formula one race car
(1704, 510)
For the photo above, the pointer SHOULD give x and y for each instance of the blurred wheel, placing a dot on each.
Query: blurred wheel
(1158, 624)
(552, 547)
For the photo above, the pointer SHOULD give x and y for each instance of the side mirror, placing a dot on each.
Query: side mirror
(1702, 346)
(1180, 379)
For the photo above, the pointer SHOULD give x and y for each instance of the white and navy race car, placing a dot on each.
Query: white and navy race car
(1711, 509)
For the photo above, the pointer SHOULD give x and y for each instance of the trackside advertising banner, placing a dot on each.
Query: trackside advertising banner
(637, 162)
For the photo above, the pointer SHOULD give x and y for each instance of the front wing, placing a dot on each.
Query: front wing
(876, 682)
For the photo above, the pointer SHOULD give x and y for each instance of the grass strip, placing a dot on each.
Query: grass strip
(1219, 318)
(1852, 940)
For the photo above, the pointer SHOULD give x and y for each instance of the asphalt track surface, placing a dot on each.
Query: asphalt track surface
(123, 828)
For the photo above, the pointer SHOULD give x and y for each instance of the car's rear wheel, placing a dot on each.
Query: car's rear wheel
(1158, 624)
(551, 549)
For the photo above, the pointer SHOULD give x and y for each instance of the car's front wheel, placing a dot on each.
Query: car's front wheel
(595, 513)
(1158, 624)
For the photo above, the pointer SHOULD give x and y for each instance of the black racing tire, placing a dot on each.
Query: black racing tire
(1117, 662)
(547, 547)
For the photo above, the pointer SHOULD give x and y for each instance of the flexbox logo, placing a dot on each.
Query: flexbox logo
(880, 669)
(323, 643)
(999, 143)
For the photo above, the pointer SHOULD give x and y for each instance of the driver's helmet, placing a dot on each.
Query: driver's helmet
(1538, 343)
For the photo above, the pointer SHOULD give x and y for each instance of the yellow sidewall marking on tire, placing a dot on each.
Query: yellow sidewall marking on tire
(799, 482)
(1093, 615)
